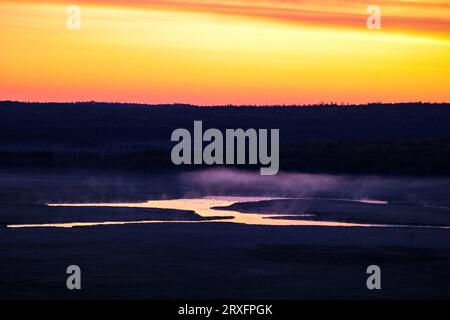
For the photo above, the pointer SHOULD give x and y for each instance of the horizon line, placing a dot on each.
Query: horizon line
(320, 104)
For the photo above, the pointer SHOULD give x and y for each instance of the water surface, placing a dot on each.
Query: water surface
(206, 207)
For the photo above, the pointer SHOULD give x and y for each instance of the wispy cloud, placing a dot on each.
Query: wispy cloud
(409, 16)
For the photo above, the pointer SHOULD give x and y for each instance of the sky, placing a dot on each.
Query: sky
(225, 51)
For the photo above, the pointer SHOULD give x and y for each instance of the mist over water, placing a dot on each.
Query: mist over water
(407, 190)
(284, 199)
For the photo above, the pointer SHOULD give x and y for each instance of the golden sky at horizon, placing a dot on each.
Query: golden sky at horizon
(225, 51)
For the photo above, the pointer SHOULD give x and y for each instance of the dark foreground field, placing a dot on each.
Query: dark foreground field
(211, 260)
(217, 260)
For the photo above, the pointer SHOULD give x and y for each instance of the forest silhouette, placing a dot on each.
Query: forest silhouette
(376, 138)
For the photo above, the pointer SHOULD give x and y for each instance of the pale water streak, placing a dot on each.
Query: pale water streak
(202, 207)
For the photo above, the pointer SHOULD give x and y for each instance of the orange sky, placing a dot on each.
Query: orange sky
(225, 51)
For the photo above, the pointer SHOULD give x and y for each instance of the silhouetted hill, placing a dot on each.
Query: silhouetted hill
(410, 138)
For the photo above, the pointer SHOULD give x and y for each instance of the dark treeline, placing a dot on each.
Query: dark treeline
(419, 157)
(409, 139)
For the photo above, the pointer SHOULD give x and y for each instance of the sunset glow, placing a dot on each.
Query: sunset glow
(226, 51)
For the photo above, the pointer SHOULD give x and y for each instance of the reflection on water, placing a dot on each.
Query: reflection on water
(202, 207)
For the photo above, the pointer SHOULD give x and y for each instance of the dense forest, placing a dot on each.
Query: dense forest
(396, 139)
